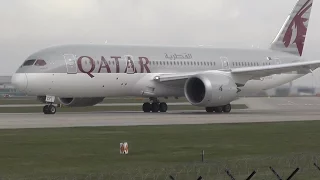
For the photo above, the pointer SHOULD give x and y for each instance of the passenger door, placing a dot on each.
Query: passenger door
(71, 63)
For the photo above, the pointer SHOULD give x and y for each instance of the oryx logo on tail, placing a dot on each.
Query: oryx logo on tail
(297, 30)
(291, 38)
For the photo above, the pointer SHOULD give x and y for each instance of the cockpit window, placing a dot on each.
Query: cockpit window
(29, 62)
(40, 62)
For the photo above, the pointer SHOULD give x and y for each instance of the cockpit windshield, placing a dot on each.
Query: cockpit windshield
(40, 62)
(36, 62)
(29, 62)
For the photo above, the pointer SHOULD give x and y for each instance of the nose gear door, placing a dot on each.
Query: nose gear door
(71, 63)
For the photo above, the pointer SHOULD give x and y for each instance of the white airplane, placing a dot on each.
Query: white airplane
(83, 75)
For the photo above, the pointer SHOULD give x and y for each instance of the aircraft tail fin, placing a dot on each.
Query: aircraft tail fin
(291, 37)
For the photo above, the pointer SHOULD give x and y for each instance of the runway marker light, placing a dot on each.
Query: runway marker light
(124, 148)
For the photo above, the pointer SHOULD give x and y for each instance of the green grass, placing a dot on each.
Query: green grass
(102, 108)
(80, 152)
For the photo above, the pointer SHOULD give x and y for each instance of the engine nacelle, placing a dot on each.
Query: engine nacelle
(80, 102)
(210, 90)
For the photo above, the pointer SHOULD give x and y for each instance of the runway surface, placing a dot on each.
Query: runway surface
(261, 110)
(39, 120)
(102, 104)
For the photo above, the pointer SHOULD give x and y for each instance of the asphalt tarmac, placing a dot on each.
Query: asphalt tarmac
(260, 110)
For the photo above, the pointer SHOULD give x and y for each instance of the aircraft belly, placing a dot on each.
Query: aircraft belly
(81, 85)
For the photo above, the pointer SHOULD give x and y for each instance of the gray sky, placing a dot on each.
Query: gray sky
(30, 25)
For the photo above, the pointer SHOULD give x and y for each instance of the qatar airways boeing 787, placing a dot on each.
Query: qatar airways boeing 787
(83, 75)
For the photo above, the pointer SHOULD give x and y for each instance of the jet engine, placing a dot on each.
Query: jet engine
(210, 90)
(80, 102)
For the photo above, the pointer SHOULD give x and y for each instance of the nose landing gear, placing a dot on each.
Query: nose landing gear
(49, 108)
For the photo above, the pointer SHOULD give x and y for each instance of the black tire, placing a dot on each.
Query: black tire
(45, 109)
(146, 107)
(163, 107)
(155, 107)
(210, 109)
(227, 108)
(52, 109)
(218, 109)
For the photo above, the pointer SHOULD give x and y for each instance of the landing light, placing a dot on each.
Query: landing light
(157, 78)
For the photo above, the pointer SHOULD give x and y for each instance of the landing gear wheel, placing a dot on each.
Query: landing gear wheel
(146, 107)
(218, 109)
(45, 109)
(227, 108)
(163, 107)
(155, 107)
(49, 109)
(209, 109)
(52, 109)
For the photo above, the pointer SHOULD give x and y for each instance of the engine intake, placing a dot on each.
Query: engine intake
(80, 102)
(209, 90)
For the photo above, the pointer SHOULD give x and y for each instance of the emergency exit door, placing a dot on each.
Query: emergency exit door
(225, 63)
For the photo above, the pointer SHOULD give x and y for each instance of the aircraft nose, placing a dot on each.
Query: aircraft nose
(20, 81)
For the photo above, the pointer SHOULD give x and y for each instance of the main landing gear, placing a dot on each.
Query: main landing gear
(155, 106)
(219, 109)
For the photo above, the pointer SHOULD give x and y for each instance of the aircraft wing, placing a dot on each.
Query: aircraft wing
(261, 71)
(245, 74)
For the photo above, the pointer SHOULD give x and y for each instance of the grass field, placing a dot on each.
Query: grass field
(158, 151)
(103, 108)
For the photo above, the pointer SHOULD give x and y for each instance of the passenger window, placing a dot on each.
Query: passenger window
(40, 62)
(29, 62)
